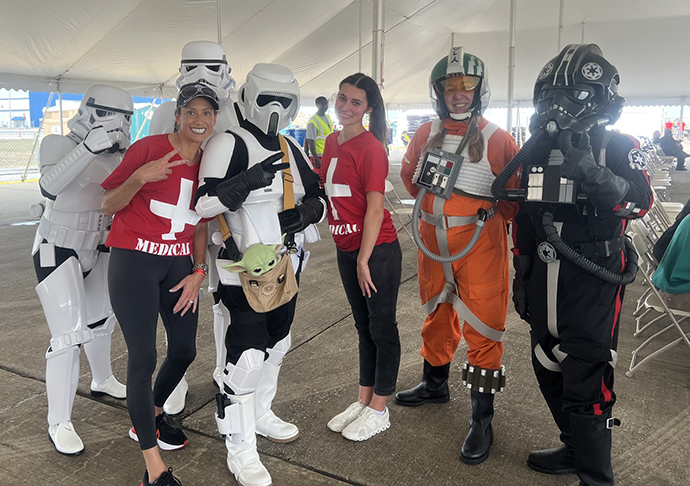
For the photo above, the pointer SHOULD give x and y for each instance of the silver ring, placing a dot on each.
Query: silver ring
(190, 301)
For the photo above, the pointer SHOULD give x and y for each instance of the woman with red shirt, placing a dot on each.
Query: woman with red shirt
(355, 166)
(154, 232)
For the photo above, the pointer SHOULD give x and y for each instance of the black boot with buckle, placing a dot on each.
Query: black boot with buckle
(432, 389)
(561, 459)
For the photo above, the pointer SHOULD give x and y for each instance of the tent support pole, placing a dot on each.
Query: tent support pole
(360, 36)
(60, 102)
(218, 23)
(561, 9)
(680, 124)
(511, 65)
(377, 43)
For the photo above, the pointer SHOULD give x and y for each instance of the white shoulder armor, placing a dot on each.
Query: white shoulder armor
(227, 118)
(163, 119)
(53, 149)
(217, 155)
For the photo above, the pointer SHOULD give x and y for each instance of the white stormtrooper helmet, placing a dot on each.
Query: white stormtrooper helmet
(103, 106)
(205, 62)
(270, 97)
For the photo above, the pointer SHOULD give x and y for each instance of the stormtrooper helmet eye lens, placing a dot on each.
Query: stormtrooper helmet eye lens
(128, 117)
(189, 68)
(101, 113)
(214, 68)
(264, 99)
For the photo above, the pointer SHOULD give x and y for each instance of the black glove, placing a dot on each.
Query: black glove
(296, 219)
(262, 174)
(604, 188)
(233, 192)
(523, 270)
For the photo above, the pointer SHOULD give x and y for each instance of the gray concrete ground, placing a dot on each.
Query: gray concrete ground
(319, 379)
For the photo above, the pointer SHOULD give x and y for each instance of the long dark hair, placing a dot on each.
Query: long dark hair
(377, 117)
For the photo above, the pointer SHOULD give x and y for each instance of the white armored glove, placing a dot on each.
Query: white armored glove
(98, 140)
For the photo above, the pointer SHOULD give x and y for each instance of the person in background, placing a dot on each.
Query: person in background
(673, 148)
(319, 127)
(368, 253)
(155, 231)
(469, 296)
(656, 136)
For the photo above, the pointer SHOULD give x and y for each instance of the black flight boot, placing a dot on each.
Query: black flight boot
(432, 389)
(475, 449)
(561, 459)
(592, 444)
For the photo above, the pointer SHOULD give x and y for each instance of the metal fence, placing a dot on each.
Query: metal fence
(19, 153)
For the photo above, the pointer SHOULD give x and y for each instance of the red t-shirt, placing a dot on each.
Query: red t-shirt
(350, 170)
(160, 218)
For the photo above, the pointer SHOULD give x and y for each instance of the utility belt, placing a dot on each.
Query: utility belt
(599, 249)
(445, 222)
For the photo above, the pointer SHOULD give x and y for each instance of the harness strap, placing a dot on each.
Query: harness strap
(448, 296)
(288, 179)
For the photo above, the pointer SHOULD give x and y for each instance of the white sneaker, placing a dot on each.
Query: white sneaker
(65, 439)
(367, 425)
(110, 386)
(343, 419)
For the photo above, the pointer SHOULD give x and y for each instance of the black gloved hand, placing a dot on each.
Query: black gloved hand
(262, 174)
(579, 164)
(602, 187)
(296, 219)
(233, 192)
(523, 270)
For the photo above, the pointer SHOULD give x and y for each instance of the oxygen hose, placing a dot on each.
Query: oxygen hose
(521, 158)
(428, 253)
(589, 266)
(565, 144)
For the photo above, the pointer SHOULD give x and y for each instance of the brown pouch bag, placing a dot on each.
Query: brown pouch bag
(272, 289)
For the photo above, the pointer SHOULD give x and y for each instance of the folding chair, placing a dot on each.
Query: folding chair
(402, 212)
(656, 302)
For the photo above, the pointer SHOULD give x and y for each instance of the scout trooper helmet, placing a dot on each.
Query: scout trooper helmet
(270, 97)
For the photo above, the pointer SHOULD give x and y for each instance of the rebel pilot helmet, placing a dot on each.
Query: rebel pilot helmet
(467, 70)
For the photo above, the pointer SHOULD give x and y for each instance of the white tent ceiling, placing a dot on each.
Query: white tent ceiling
(136, 44)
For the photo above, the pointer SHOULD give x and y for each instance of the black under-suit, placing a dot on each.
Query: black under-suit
(588, 308)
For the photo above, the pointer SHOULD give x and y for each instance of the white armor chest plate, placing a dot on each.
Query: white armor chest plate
(75, 219)
(474, 178)
(256, 221)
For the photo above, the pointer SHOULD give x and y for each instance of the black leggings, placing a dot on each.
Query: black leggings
(139, 290)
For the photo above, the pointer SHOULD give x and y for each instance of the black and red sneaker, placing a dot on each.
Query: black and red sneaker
(170, 438)
(165, 479)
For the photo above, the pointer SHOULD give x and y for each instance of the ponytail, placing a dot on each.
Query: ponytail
(377, 118)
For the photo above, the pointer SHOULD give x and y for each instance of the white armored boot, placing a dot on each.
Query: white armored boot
(98, 353)
(176, 401)
(243, 458)
(267, 423)
(62, 376)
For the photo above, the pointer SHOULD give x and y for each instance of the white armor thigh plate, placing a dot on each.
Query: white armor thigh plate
(96, 286)
(62, 296)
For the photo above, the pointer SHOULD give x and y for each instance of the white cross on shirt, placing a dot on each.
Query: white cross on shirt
(335, 190)
(179, 214)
